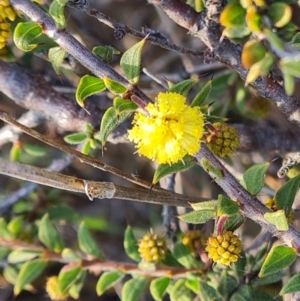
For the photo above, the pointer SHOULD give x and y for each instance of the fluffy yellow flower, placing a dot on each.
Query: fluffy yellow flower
(170, 131)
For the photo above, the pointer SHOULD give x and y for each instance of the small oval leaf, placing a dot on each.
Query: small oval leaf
(286, 194)
(56, 11)
(20, 255)
(49, 235)
(200, 98)
(208, 205)
(133, 288)
(158, 287)
(75, 138)
(183, 87)
(107, 280)
(278, 258)
(233, 15)
(131, 62)
(166, 169)
(131, 245)
(86, 242)
(67, 277)
(34, 150)
(113, 86)
(198, 217)
(88, 85)
(280, 13)
(56, 56)
(25, 33)
(292, 286)
(184, 256)
(180, 292)
(29, 271)
(105, 52)
(254, 178)
(278, 219)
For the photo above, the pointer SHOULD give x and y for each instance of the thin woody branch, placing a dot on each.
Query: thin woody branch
(68, 43)
(96, 266)
(250, 206)
(91, 188)
(205, 26)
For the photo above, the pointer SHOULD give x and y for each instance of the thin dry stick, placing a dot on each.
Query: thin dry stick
(95, 163)
(92, 189)
(96, 266)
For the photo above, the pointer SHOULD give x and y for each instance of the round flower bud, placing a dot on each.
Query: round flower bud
(224, 249)
(53, 290)
(194, 240)
(152, 248)
(224, 140)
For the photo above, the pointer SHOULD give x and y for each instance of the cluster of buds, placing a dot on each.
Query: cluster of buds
(194, 240)
(6, 13)
(152, 248)
(53, 290)
(224, 249)
(223, 139)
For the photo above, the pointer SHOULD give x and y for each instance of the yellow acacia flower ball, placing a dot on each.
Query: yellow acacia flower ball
(224, 249)
(152, 248)
(170, 131)
(194, 240)
(53, 290)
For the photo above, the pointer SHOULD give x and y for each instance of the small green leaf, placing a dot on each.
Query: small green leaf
(236, 32)
(198, 217)
(296, 41)
(233, 222)
(233, 15)
(56, 11)
(114, 87)
(184, 257)
(180, 292)
(253, 52)
(76, 287)
(292, 286)
(88, 85)
(15, 152)
(34, 150)
(158, 287)
(111, 119)
(227, 284)
(166, 169)
(273, 278)
(227, 206)
(280, 13)
(207, 292)
(278, 219)
(4, 232)
(286, 194)
(25, 33)
(10, 273)
(200, 98)
(20, 255)
(107, 280)
(248, 293)
(290, 66)
(278, 258)
(70, 255)
(56, 56)
(15, 226)
(193, 285)
(207, 166)
(86, 242)
(124, 105)
(254, 19)
(49, 235)
(183, 87)
(131, 62)
(29, 271)
(254, 178)
(131, 245)
(208, 205)
(289, 83)
(86, 147)
(105, 52)
(67, 277)
(75, 138)
(133, 289)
